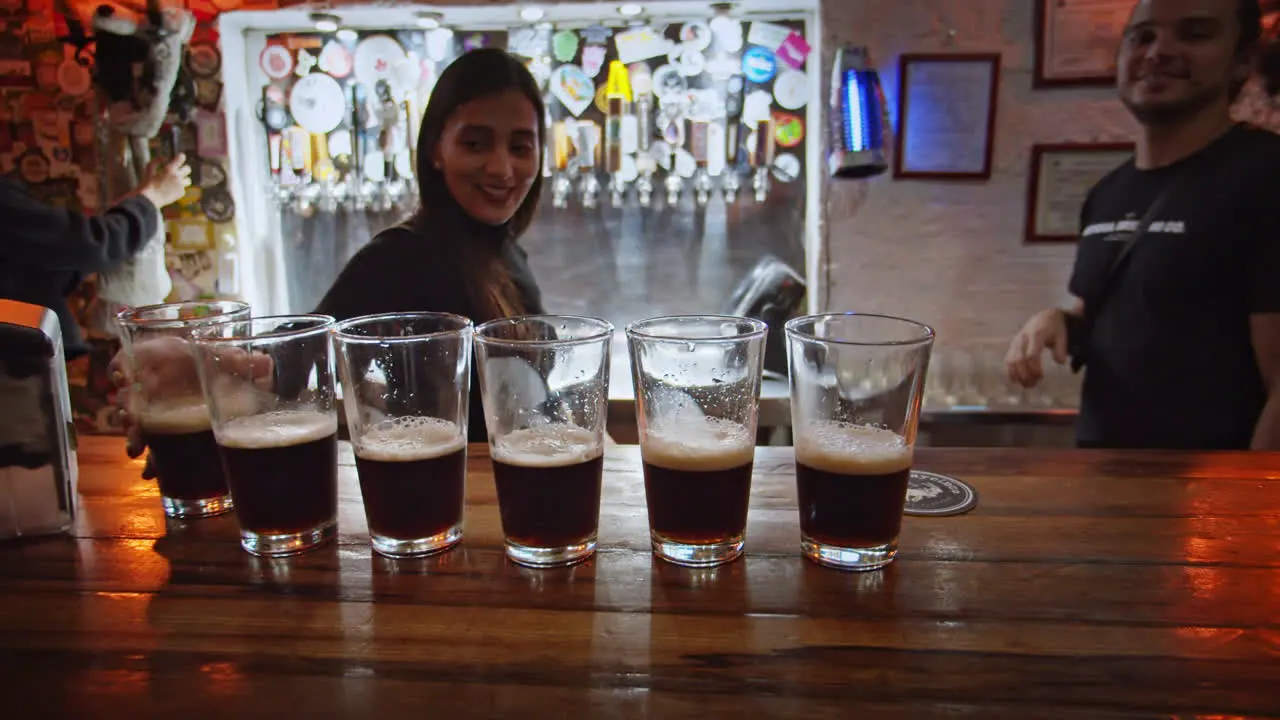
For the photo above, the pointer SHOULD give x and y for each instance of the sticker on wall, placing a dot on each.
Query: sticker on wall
(336, 60)
(276, 62)
(573, 88)
(602, 99)
(474, 41)
(596, 34)
(669, 85)
(728, 33)
(564, 46)
(439, 44)
(768, 35)
(317, 103)
(593, 59)
(376, 58)
(540, 68)
(691, 62)
(794, 50)
(528, 42)
(217, 205)
(791, 89)
(759, 65)
(639, 44)
(788, 129)
(696, 34)
(207, 174)
(306, 62)
(203, 60)
(74, 78)
(192, 233)
(208, 93)
(211, 134)
(786, 168)
(33, 166)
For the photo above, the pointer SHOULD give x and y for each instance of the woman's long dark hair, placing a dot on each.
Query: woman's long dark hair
(473, 246)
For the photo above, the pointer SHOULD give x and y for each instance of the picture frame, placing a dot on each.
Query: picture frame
(946, 115)
(1060, 178)
(1076, 42)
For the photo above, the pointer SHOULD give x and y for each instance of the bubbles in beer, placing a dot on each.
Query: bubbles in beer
(698, 444)
(175, 417)
(848, 449)
(547, 446)
(409, 439)
(282, 428)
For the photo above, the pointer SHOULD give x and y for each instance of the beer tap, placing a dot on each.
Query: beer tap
(672, 123)
(642, 88)
(761, 158)
(561, 184)
(613, 151)
(699, 130)
(588, 147)
(733, 124)
(324, 175)
(618, 99)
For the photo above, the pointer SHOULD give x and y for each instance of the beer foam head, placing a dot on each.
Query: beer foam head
(410, 439)
(848, 449)
(698, 444)
(282, 428)
(174, 417)
(547, 446)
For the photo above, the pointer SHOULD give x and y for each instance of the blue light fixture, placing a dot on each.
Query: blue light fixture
(858, 122)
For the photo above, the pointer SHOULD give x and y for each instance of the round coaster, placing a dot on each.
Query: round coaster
(933, 494)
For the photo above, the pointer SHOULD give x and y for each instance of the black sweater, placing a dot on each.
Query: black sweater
(45, 251)
(402, 271)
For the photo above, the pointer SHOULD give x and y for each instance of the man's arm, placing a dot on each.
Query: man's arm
(1264, 329)
(40, 235)
(49, 237)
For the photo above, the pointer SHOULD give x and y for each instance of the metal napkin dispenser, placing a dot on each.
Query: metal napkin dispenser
(772, 292)
(38, 470)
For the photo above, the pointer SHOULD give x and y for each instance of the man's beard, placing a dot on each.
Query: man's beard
(1170, 113)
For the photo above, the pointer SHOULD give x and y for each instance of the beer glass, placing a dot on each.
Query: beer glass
(544, 381)
(170, 409)
(405, 384)
(857, 382)
(269, 385)
(697, 386)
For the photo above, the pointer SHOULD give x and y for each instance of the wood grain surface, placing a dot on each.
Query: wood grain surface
(1087, 584)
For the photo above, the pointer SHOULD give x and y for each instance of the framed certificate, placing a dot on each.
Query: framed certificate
(946, 115)
(1077, 41)
(1061, 177)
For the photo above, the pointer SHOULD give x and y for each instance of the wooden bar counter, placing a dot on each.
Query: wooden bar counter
(1085, 585)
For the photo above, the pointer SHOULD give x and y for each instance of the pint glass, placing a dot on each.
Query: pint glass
(405, 383)
(697, 386)
(169, 406)
(544, 380)
(857, 382)
(269, 385)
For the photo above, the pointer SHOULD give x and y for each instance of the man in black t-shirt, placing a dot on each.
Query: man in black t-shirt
(1180, 340)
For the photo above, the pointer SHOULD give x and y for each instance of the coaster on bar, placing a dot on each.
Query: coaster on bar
(933, 494)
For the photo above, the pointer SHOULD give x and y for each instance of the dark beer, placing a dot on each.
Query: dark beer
(852, 483)
(412, 475)
(548, 481)
(282, 468)
(697, 482)
(183, 451)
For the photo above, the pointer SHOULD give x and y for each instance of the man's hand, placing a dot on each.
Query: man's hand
(166, 183)
(1046, 330)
